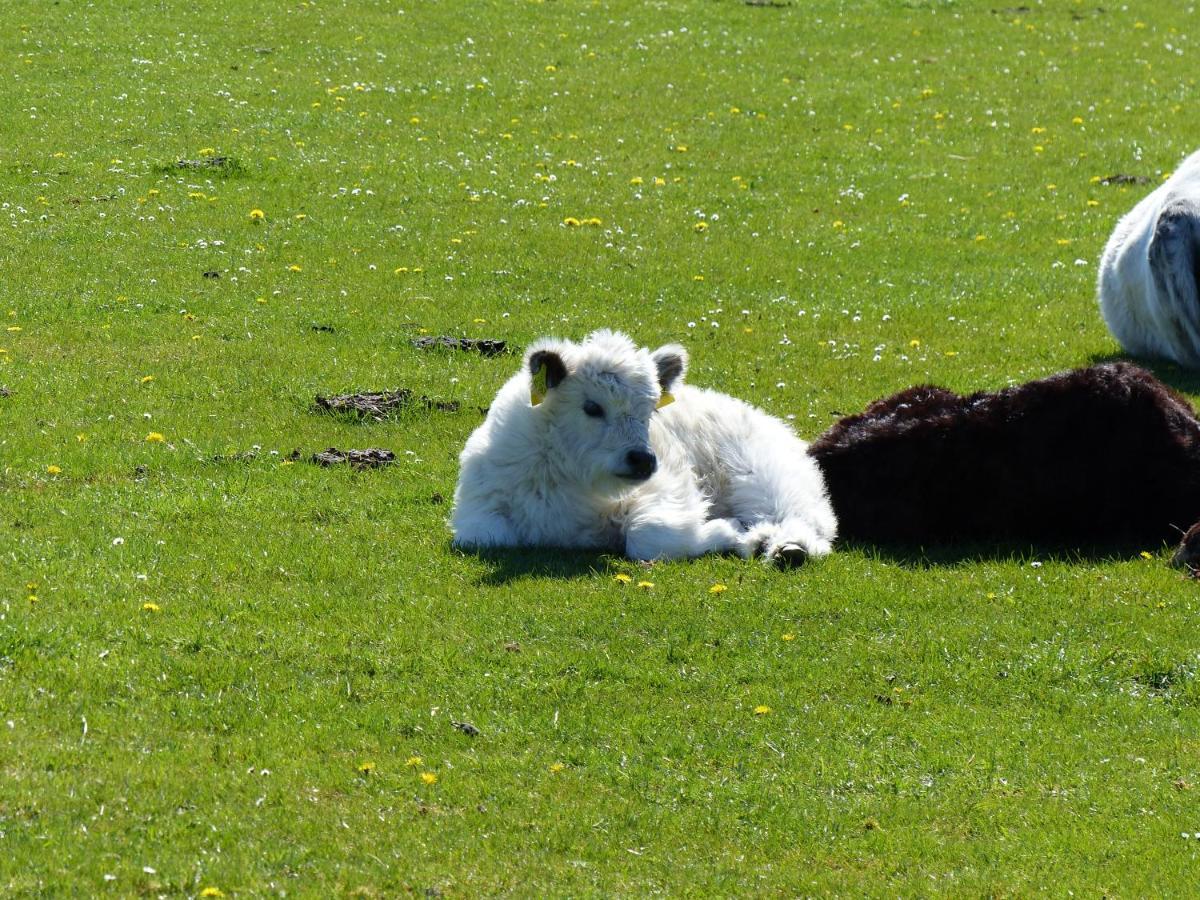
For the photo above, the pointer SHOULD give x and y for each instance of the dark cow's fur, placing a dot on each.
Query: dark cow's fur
(1095, 456)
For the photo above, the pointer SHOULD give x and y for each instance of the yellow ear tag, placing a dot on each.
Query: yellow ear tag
(665, 400)
(537, 386)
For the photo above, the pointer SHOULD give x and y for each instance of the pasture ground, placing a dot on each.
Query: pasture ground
(227, 672)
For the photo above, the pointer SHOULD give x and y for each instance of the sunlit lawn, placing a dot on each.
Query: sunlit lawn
(224, 670)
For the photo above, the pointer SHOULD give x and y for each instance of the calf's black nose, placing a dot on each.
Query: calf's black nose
(641, 463)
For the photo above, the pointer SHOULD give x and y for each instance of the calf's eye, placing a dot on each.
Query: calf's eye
(593, 409)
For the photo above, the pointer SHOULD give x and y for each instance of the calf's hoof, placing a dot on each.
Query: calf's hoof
(789, 556)
(1188, 554)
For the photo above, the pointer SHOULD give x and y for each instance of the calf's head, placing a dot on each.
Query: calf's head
(594, 401)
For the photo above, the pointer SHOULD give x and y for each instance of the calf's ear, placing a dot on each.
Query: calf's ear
(671, 361)
(546, 371)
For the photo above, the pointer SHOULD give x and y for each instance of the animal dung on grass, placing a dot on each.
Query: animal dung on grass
(371, 458)
(380, 405)
(1149, 282)
(482, 346)
(371, 404)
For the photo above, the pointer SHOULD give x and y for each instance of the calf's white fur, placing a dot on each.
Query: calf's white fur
(1150, 268)
(601, 445)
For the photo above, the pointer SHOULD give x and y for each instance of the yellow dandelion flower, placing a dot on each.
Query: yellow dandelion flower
(571, 222)
(211, 891)
(838, 223)
(32, 598)
(593, 221)
(151, 607)
(366, 768)
(659, 182)
(295, 268)
(1146, 554)
(146, 379)
(761, 710)
(622, 578)
(1093, 203)
(207, 151)
(914, 343)
(635, 180)
(551, 68)
(697, 278)
(53, 470)
(257, 215)
(700, 226)
(557, 767)
(980, 238)
(1037, 129)
(1078, 120)
(413, 761)
(645, 585)
(718, 589)
(14, 328)
(788, 636)
(429, 777)
(155, 437)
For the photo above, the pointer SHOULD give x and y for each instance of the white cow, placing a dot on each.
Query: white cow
(1150, 269)
(601, 445)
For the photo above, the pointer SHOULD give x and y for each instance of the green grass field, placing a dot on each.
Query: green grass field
(232, 676)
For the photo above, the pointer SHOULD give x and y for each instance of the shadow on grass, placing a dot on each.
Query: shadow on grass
(508, 565)
(1172, 374)
(970, 552)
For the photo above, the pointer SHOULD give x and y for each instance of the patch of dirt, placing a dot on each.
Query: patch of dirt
(208, 162)
(439, 405)
(482, 346)
(371, 458)
(1122, 178)
(245, 456)
(5, 392)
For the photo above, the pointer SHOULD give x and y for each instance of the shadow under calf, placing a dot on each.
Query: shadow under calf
(1102, 457)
